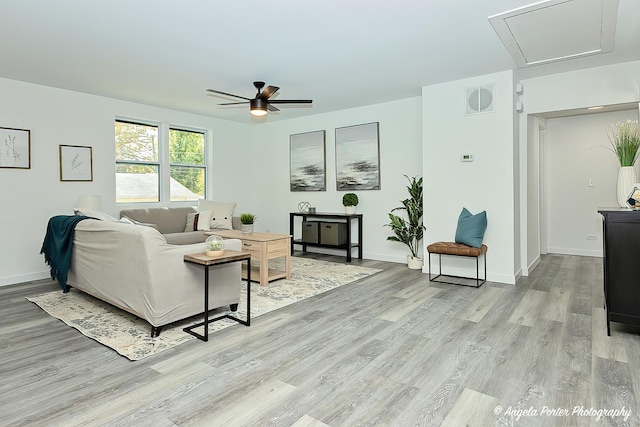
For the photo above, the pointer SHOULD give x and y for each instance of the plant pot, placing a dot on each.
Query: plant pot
(349, 210)
(213, 253)
(247, 228)
(414, 263)
(626, 180)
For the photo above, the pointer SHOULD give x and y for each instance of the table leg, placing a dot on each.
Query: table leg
(206, 303)
(349, 239)
(360, 249)
(287, 264)
(264, 264)
(248, 295)
(291, 223)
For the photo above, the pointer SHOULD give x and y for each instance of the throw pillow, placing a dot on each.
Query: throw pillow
(198, 221)
(471, 228)
(95, 214)
(132, 221)
(221, 213)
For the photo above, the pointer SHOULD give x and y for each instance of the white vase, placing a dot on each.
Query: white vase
(414, 262)
(350, 210)
(247, 228)
(626, 179)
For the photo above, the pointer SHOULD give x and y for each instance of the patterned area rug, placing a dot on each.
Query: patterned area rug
(130, 336)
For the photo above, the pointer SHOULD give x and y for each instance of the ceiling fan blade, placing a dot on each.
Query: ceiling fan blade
(268, 92)
(291, 101)
(228, 94)
(233, 103)
(272, 108)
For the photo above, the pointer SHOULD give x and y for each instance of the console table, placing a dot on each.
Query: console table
(621, 240)
(335, 217)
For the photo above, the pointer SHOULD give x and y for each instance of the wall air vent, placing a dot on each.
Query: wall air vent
(479, 99)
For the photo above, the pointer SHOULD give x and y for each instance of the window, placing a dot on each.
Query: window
(187, 165)
(137, 163)
(144, 173)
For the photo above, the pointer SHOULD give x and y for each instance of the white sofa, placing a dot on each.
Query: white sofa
(132, 267)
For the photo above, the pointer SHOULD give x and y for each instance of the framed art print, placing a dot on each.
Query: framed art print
(15, 148)
(358, 157)
(307, 162)
(76, 163)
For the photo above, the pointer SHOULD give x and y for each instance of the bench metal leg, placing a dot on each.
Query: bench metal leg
(477, 278)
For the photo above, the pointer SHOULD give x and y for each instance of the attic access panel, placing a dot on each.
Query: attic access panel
(556, 30)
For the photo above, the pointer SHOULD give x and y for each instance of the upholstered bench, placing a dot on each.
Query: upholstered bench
(457, 249)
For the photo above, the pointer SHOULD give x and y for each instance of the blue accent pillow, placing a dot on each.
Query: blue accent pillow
(471, 228)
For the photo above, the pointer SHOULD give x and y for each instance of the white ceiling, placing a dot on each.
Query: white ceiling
(341, 54)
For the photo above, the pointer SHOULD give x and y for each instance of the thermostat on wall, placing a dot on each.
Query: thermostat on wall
(466, 158)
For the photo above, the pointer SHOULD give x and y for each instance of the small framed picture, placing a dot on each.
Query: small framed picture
(633, 201)
(76, 163)
(15, 148)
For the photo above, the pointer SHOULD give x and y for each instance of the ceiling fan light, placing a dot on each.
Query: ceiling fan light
(258, 107)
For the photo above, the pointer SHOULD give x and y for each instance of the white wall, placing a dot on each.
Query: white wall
(400, 154)
(29, 197)
(487, 183)
(250, 166)
(607, 85)
(577, 150)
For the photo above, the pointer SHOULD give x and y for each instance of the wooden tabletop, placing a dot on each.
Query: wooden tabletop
(227, 256)
(256, 237)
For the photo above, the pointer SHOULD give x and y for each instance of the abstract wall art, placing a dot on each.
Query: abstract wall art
(358, 158)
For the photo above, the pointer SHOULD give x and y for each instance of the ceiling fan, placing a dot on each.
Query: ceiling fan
(261, 103)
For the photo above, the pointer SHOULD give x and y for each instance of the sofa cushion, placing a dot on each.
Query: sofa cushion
(222, 213)
(198, 221)
(127, 220)
(185, 238)
(168, 220)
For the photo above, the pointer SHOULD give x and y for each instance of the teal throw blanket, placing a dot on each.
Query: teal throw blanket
(58, 245)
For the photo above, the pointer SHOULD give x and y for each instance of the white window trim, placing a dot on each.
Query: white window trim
(164, 169)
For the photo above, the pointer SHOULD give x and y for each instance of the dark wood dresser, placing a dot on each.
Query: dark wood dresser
(621, 239)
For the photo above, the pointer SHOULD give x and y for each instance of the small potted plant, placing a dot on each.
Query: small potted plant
(411, 230)
(350, 201)
(214, 246)
(247, 220)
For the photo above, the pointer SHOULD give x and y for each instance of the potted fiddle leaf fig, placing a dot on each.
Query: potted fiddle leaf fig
(247, 220)
(350, 201)
(410, 230)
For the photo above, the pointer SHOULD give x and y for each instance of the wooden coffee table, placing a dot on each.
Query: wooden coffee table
(263, 247)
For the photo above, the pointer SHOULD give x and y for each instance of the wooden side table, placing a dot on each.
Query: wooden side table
(263, 247)
(206, 262)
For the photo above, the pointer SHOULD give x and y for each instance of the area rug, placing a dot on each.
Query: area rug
(130, 336)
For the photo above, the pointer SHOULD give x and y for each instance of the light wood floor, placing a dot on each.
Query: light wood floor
(390, 350)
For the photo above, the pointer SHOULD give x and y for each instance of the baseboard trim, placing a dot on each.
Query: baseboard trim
(21, 278)
(533, 265)
(578, 252)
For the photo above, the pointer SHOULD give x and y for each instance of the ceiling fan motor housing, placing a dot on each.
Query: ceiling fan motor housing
(258, 104)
